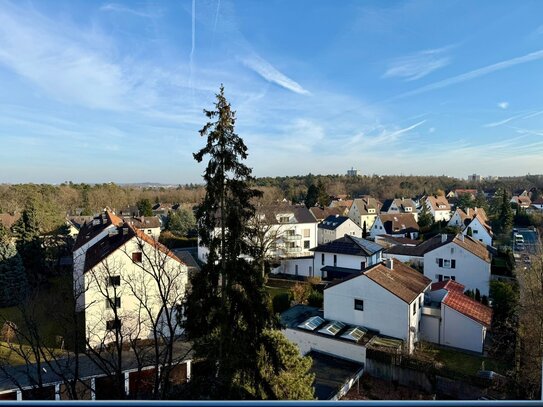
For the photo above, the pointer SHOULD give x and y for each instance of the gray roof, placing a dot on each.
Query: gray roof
(354, 246)
(331, 373)
(300, 213)
(332, 222)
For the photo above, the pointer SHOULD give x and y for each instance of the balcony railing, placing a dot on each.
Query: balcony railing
(291, 238)
(296, 249)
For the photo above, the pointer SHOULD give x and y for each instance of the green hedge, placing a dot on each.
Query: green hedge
(175, 242)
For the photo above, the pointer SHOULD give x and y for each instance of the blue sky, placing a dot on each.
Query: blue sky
(97, 91)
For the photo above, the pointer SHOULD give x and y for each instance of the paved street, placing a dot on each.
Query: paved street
(532, 243)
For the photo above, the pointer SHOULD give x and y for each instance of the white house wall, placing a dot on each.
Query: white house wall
(346, 228)
(429, 329)
(344, 260)
(471, 271)
(135, 322)
(459, 331)
(307, 342)
(479, 232)
(297, 267)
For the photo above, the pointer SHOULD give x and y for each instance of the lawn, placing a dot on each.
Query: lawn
(464, 363)
(273, 291)
(50, 308)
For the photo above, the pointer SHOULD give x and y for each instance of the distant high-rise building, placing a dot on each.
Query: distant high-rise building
(474, 178)
(352, 172)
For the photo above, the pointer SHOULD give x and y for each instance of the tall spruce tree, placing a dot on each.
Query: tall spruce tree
(13, 282)
(29, 244)
(228, 311)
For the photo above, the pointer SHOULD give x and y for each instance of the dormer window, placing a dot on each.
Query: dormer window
(408, 209)
(371, 210)
(284, 219)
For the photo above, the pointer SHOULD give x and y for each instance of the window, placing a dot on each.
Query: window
(113, 302)
(335, 260)
(453, 278)
(439, 277)
(136, 257)
(440, 262)
(475, 231)
(415, 308)
(453, 264)
(307, 232)
(362, 265)
(452, 250)
(306, 244)
(420, 302)
(296, 269)
(149, 232)
(113, 324)
(322, 259)
(447, 264)
(114, 281)
(359, 305)
(283, 219)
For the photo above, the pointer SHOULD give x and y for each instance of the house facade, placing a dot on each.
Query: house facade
(334, 227)
(118, 274)
(344, 257)
(473, 222)
(364, 211)
(439, 207)
(399, 206)
(388, 298)
(459, 258)
(451, 318)
(397, 225)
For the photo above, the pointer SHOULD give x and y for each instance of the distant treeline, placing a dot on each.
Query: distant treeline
(55, 201)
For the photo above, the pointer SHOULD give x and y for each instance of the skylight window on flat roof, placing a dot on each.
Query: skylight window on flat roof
(311, 323)
(354, 334)
(332, 328)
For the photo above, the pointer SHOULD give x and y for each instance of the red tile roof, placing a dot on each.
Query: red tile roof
(468, 307)
(449, 285)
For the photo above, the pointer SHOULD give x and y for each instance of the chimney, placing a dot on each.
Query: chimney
(443, 238)
(461, 236)
(390, 264)
(467, 211)
(337, 216)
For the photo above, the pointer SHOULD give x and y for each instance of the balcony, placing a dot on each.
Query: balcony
(291, 238)
(295, 249)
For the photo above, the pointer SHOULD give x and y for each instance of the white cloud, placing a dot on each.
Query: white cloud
(272, 74)
(503, 105)
(418, 65)
(119, 8)
(476, 73)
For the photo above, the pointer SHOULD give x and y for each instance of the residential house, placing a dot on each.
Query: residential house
(114, 285)
(451, 318)
(322, 213)
(439, 207)
(364, 211)
(400, 205)
(343, 204)
(538, 203)
(130, 210)
(291, 231)
(149, 224)
(457, 193)
(397, 225)
(412, 254)
(473, 222)
(386, 297)
(460, 258)
(345, 256)
(523, 201)
(75, 223)
(334, 227)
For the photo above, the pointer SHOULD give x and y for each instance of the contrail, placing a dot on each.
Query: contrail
(216, 16)
(193, 44)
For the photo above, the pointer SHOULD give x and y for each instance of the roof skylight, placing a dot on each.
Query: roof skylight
(354, 334)
(332, 328)
(311, 323)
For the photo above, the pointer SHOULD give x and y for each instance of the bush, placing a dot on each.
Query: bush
(300, 293)
(171, 241)
(316, 299)
(281, 302)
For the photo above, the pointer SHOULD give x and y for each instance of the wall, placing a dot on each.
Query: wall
(471, 271)
(459, 331)
(402, 375)
(429, 327)
(307, 341)
(479, 232)
(288, 266)
(383, 311)
(135, 283)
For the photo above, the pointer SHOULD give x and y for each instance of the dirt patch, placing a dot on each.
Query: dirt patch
(377, 389)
